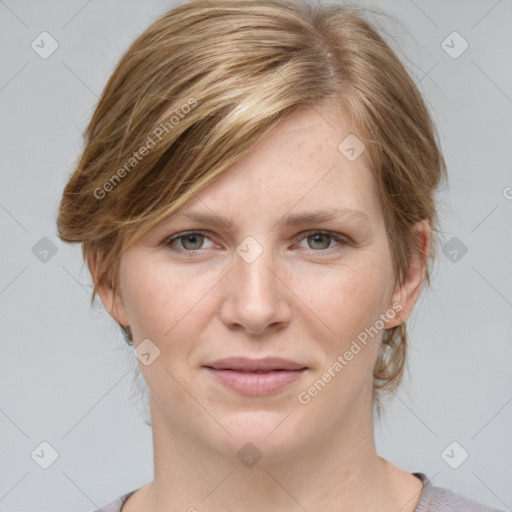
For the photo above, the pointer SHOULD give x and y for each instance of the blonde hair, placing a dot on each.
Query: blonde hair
(208, 80)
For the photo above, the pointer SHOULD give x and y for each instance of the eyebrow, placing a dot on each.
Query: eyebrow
(298, 219)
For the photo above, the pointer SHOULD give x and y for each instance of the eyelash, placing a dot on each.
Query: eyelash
(339, 239)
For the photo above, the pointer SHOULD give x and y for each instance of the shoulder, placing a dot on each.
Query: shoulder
(439, 499)
(116, 505)
(432, 499)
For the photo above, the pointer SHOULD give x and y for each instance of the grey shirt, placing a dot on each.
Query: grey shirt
(432, 499)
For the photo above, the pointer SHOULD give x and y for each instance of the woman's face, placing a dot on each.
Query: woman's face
(268, 282)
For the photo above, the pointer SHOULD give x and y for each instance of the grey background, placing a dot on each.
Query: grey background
(65, 375)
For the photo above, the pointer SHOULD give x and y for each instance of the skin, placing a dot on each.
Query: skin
(305, 298)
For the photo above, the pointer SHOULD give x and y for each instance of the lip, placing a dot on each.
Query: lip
(245, 364)
(256, 376)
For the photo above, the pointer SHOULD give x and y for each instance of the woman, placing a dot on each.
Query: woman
(256, 205)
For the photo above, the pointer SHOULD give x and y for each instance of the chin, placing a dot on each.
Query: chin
(259, 434)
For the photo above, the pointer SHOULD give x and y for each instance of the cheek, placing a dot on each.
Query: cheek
(349, 300)
(160, 301)
(349, 295)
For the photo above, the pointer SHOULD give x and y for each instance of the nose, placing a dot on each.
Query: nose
(256, 299)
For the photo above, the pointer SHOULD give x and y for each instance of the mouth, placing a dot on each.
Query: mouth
(256, 376)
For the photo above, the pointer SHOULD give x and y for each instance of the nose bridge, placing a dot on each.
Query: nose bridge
(254, 298)
(253, 264)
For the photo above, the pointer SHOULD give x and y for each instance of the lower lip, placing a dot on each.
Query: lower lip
(250, 383)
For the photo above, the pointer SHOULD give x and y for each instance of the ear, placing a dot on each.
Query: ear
(408, 292)
(113, 302)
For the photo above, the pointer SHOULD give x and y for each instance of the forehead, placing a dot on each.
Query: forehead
(305, 161)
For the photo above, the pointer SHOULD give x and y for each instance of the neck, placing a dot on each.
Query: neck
(340, 471)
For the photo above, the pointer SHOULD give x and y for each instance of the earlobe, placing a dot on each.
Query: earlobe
(112, 301)
(408, 292)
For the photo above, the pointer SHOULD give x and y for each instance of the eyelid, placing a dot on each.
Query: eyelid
(333, 234)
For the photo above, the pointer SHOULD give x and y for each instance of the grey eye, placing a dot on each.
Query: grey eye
(192, 241)
(320, 241)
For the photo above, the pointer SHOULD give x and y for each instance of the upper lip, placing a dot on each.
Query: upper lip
(245, 364)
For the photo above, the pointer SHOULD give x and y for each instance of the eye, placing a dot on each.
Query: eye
(319, 241)
(191, 241)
